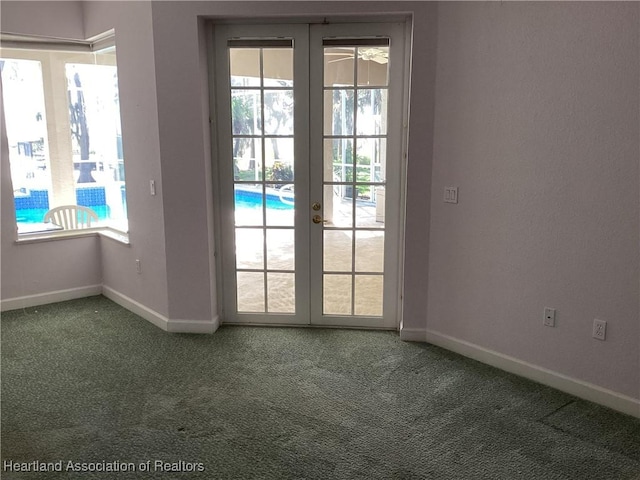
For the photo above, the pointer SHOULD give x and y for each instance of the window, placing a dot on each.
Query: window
(62, 118)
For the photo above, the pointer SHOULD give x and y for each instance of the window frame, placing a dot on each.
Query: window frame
(36, 48)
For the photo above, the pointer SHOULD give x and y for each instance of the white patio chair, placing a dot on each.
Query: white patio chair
(71, 217)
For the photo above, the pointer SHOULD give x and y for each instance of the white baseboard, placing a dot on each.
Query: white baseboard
(130, 304)
(160, 321)
(413, 335)
(194, 326)
(49, 297)
(579, 388)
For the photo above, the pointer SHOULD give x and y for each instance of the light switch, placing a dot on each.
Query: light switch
(451, 194)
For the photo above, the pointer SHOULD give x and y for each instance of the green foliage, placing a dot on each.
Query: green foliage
(362, 172)
(362, 176)
(245, 174)
(241, 111)
(348, 156)
(280, 172)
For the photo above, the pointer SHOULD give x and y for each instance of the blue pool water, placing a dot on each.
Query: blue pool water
(36, 215)
(26, 213)
(32, 205)
(253, 199)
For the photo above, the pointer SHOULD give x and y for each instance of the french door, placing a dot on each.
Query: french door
(309, 128)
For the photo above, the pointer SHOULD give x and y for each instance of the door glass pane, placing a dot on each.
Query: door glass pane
(247, 159)
(246, 116)
(280, 251)
(369, 251)
(345, 174)
(367, 214)
(336, 294)
(337, 251)
(281, 291)
(338, 160)
(338, 112)
(279, 159)
(245, 67)
(338, 207)
(354, 175)
(278, 112)
(338, 66)
(370, 214)
(248, 204)
(369, 295)
(372, 111)
(278, 67)
(371, 160)
(373, 66)
(249, 248)
(280, 199)
(263, 164)
(250, 292)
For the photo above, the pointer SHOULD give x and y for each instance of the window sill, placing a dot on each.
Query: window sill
(105, 232)
(116, 235)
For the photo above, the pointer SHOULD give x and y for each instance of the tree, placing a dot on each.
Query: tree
(241, 116)
(80, 131)
(278, 108)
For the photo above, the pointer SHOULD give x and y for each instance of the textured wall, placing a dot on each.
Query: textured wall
(54, 19)
(420, 158)
(537, 109)
(139, 114)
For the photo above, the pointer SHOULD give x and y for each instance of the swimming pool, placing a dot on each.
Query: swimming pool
(36, 215)
(32, 205)
(245, 198)
(250, 197)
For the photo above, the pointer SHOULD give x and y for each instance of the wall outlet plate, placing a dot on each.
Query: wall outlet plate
(599, 329)
(549, 319)
(450, 194)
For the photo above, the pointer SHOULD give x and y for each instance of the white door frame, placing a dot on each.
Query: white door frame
(395, 168)
(309, 127)
(225, 197)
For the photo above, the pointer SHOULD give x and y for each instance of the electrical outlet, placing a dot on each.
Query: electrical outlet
(599, 329)
(138, 266)
(549, 319)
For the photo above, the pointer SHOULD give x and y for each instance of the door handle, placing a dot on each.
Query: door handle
(318, 219)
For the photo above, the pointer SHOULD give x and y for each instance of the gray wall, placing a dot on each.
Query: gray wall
(537, 123)
(141, 143)
(532, 110)
(53, 19)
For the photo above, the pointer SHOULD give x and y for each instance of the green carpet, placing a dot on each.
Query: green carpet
(87, 381)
